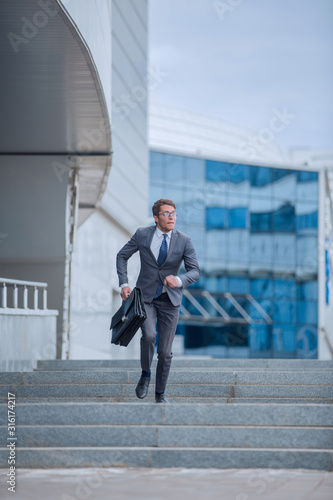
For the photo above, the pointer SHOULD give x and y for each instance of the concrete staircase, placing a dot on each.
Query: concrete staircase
(223, 413)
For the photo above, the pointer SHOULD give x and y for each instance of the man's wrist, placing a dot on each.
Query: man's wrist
(123, 285)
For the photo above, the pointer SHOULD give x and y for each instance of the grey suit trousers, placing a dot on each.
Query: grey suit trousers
(163, 314)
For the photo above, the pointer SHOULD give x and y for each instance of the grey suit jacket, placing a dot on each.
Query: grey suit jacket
(181, 249)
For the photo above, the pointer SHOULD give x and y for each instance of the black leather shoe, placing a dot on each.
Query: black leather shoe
(160, 398)
(142, 387)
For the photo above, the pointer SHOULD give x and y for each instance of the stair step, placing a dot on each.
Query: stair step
(231, 413)
(176, 400)
(221, 458)
(179, 414)
(205, 436)
(173, 390)
(280, 364)
(239, 377)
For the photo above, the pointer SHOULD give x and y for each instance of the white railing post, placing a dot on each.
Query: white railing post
(36, 298)
(45, 298)
(25, 297)
(4, 296)
(15, 296)
(27, 287)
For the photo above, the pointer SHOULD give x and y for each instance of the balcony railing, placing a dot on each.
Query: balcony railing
(15, 294)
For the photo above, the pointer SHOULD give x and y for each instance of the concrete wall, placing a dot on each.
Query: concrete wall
(95, 291)
(33, 208)
(25, 338)
(325, 301)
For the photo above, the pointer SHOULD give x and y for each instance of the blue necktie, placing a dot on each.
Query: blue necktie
(160, 260)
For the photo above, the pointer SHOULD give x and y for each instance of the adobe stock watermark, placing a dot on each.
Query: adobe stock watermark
(91, 139)
(92, 305)
(128, 101)
(30, 27)
(265, 136)
(88, 485)
(223, 8)
(263, 480)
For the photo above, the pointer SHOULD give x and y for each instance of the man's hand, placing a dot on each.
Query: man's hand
(125, 292)
(171, 281)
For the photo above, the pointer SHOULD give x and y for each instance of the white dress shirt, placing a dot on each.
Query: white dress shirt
(155, 246)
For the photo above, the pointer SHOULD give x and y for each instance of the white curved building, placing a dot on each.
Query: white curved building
(185, 132)
(68, 68)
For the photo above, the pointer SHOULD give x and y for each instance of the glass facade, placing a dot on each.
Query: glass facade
(255, 231)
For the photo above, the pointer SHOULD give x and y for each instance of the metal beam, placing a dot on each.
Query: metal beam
(223, 317)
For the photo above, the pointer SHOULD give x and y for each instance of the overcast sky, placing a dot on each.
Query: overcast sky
(238, 60)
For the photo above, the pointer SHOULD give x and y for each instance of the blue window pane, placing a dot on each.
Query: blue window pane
(284, 289)
(238, 173)
(174, 169)
(211, 284)
(305, 176)
(284, 186)
(238, 285)
(238, 217)
(231, 335)
(284, 219)
(216, 218)
(193, 208)
(216, 171)
(306, 342)
(261, 287)
(194, 171)
(156, 166)
(222, 284)
(307, 290)
(307, 312)
(284, 338)
(284, 311)
(279, 173)
(306, 221)
(261, 223)
(261, 176)
(307, 187)
(216, 284)
(260, 337)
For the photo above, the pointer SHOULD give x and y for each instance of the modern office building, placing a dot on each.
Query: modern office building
(255, 226)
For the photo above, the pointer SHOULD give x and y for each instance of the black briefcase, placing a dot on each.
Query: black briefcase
(128, 319)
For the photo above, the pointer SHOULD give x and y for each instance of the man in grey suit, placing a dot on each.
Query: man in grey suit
(162, 250)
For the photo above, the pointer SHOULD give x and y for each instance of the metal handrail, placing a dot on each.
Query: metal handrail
(223, 317)
(21, 282)
(25, 284)
(326, 337)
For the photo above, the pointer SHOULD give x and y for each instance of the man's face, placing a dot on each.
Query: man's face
(165, 222)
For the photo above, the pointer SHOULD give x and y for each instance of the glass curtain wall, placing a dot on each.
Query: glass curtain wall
(255, 230)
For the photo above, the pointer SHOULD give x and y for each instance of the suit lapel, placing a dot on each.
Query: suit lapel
(173, 242)
(150, 236)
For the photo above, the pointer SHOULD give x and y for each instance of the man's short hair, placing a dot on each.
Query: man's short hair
(163, 201)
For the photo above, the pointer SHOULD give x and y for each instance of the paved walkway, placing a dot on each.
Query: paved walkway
(160, 484)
